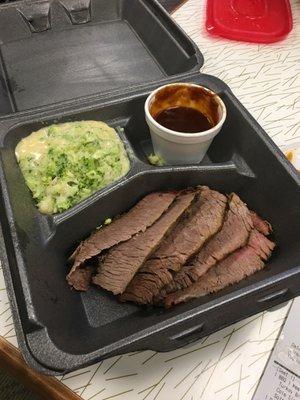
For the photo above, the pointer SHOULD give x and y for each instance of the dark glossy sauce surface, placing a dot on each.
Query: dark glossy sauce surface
(183, 119)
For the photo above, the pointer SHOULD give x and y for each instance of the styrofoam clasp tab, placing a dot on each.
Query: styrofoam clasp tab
(79, 11)
(36, 15)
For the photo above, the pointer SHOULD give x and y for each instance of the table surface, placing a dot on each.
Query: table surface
(228, 364)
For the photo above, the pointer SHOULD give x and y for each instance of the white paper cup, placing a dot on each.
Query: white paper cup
(178, 147)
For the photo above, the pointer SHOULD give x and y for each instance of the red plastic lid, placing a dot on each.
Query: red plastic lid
(259, 21)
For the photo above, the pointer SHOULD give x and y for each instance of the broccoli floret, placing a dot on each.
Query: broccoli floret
(155, 159)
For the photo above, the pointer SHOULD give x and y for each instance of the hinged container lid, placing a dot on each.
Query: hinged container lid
(58, 50)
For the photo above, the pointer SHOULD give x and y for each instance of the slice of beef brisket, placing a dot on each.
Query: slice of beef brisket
(233, 235)
(237, 266)
(136, 220)
(186, 240)
(123, 261)
(261, 225)
(82, 277)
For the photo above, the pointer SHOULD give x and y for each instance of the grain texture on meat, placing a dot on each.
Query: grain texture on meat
(136, 220)
(234, 268)
(123, 261)
(233, 235)
(186, 240)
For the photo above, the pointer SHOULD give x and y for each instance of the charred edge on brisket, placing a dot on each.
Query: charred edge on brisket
(261, 225)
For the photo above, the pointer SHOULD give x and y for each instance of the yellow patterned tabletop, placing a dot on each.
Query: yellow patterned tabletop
(228, 364)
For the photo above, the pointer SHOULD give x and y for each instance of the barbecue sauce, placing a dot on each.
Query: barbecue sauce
(183, 119)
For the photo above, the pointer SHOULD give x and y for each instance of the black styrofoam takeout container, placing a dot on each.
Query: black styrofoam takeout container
(60, 330)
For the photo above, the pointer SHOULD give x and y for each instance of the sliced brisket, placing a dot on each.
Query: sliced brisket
(204, 221)
(123, 261)
(82, 277)
(233, 235)
(238, 265)
(138, 219)
(261, 225)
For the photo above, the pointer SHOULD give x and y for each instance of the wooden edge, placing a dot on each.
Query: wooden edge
(45, 387)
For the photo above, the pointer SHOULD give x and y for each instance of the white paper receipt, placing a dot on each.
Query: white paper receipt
(281, 379)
